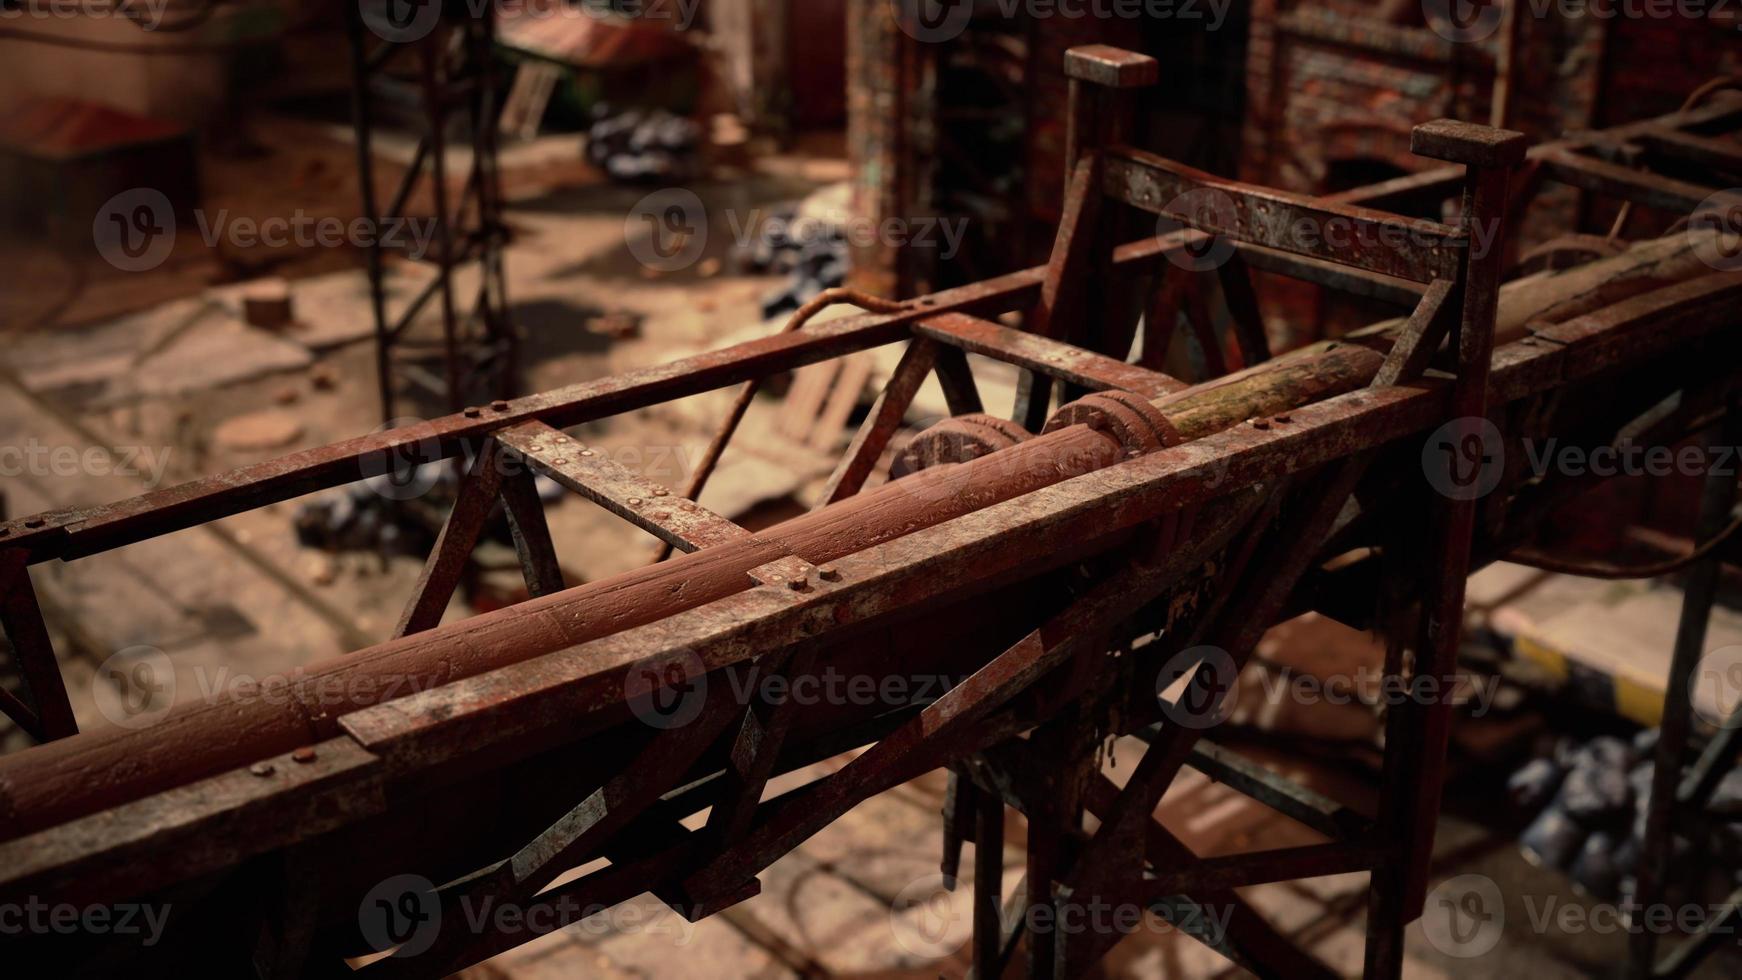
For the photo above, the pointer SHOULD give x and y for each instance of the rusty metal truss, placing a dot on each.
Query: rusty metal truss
(452, 79)
(1065, 566)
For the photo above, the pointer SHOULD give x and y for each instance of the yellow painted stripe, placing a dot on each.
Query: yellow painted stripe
(1638, 702)
(1550, 659)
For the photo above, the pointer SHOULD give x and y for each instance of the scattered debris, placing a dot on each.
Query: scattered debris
(1591, 800)
(617, 326)
(266, 303)
(644, 144)
(808, 241)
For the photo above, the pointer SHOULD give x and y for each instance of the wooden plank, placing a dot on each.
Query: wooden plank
(1097, 372)
(1704, 151)
(681, 522)
(1638, 186)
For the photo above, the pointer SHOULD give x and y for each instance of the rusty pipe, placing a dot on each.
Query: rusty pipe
(79, 775)
(76, 776)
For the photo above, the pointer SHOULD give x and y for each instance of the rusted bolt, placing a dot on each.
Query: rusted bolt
(473, 411)
(797, 584)
(262, 769)
(829, 573)
(586, 452)
(499, 405)
(1285, 419)
(664, 515)
(35, 522)
(559, 462)
(635, 501)
(1260, 424)
(304, 755)
(661, 492)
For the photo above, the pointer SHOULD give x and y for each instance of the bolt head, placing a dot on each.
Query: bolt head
(262, 769)
(304, 755)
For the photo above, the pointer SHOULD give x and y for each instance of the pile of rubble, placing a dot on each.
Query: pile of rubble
(807, 242)
(1592, 801)
(644, 145)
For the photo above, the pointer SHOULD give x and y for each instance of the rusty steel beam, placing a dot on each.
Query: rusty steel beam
(1064, 362)
(1229, 487)
(651, 506)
